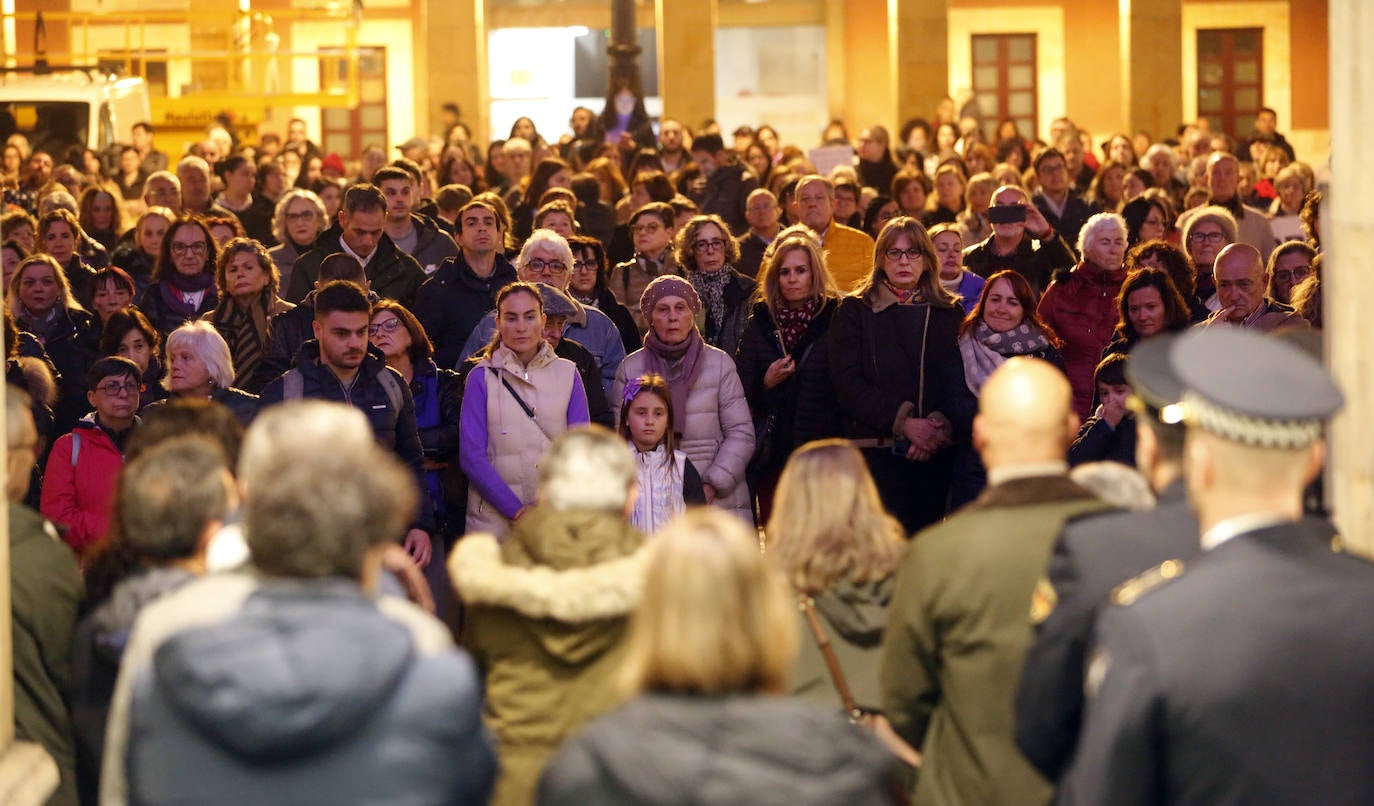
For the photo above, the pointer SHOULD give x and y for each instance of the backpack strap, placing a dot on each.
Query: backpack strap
(76, 446)
(393, 389)
(292, 385)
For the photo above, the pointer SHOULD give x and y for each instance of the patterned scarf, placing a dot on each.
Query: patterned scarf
(792, 321)
(711, 287)
(240, 328)
(984, 350)
(174, 287)
(903, 297)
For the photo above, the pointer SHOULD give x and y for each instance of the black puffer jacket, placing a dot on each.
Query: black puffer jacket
(73, 344)
(726, 334)
(665, 749)
(805, 406)
(453, 300)
(391, 273)
(1034, 260)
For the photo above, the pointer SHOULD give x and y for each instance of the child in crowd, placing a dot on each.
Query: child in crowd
(667, 480)
(1108, 435)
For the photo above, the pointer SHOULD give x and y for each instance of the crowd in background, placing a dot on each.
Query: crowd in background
(803, 353)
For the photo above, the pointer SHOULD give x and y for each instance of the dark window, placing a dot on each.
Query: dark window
(1004, 80)
(1230, 78)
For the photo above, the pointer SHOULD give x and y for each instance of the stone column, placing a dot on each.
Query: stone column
(1151, 65)
(687, 59)
(1347, 276)
(918, 44)
(455, 69)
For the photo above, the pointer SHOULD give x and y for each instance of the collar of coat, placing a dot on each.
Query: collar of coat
(606, 590)
(504, 358)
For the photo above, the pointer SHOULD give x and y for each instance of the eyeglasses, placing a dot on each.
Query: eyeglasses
(646, 228)
(1206, 237)
(389, 326)
(709, 246)
(197, 248)
(580, 266)
(1295, 273)
(553, 266)
(113, 388)
(910, 254)
(304, 215)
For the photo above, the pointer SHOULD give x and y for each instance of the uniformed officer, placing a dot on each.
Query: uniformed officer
(1096, 553)
(1244, 679)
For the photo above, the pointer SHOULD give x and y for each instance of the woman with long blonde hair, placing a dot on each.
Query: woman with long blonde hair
(706, 664)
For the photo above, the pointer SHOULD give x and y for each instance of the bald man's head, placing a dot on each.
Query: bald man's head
(1025, 414)
(1241, 280)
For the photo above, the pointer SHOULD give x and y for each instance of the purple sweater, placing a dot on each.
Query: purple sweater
(472, 452)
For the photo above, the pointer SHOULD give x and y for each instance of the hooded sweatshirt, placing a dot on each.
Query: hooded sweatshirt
(853, 616)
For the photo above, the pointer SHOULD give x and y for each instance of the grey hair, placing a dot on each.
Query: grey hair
(1115, 483)
(192, 161)
(549, 239)
(587, 468)
(812, 179)
(1159, 148)
(169, 493)
(1097, 222)
(318, 517)
(279, 214)
(201, 338)
(304, 429)
(57, 200)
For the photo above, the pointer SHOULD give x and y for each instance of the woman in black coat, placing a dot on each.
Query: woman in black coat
(42, 304)
(183, 287)
(784, 358)
(588, 286)
(900, 382)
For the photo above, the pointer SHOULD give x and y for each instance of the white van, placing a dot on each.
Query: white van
(67, 107)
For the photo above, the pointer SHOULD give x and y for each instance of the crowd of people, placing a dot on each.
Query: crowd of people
(617, 406)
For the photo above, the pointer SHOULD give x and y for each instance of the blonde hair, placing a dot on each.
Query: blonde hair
(716, 616)
(828, 523)
(797, 237)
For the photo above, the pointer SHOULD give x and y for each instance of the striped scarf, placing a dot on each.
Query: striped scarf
(245, 335)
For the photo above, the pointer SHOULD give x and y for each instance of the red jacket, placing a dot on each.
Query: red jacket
(1081, 309)
(77, 494)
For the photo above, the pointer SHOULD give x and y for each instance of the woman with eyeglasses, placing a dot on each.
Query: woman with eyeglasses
(588, 286)
(297, 222)
(247, 283)
(899, 376)
(199, 366)
(707, 252)
(1289, 265)
(42, 304)
(183, 287)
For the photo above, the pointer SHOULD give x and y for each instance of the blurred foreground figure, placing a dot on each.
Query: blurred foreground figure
(291, 684)
(1241, 676)
(709, 647)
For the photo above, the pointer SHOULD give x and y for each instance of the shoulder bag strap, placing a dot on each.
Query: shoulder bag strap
(525, 407)
(836, 673)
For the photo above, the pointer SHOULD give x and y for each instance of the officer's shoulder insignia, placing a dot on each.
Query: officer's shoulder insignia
(1128, 592)
(1043, 601)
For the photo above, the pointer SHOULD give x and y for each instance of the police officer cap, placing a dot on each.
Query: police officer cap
(1152, 378)
(1254, 389)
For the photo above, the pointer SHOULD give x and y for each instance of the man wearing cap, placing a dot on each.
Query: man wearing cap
(1241, 676)
(1092, 556)
(1242, 285)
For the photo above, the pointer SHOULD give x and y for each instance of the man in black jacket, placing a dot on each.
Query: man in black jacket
(727, 183)
(416, 235)
(290, 329)
(1095, 554)
(341, 366)
(456, 297)
(1062, 207)
(359, 232)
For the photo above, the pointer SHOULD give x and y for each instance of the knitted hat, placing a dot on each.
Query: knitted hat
(669, 285)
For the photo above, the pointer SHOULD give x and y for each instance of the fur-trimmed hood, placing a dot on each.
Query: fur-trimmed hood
(573, 596)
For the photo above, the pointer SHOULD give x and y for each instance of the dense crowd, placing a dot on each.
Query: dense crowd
(831, 361)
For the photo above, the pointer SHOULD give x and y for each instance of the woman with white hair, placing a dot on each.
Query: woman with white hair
(1081, 308)
(199, 365)
(1160, 161)
(548, 605)
(707, 662)
(298, 220)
